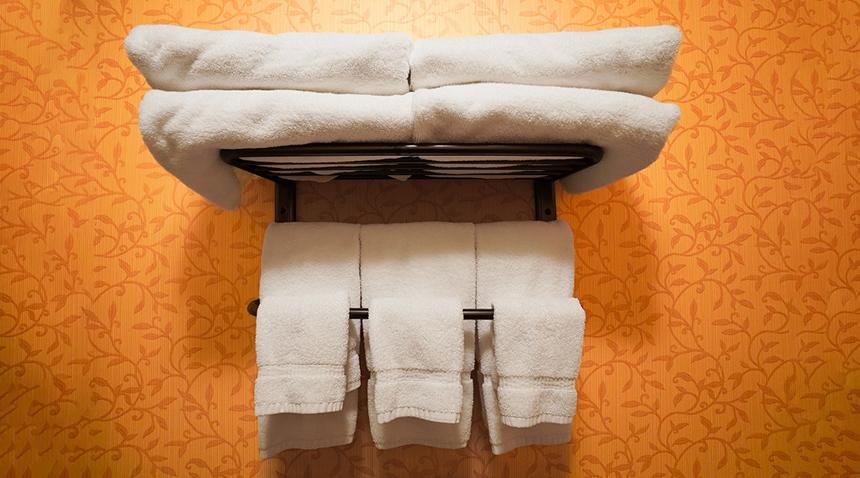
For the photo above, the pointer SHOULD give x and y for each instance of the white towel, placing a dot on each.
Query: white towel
(518, 260)
(429, 259)
(420, 259)
(302, 344)
(415, 350)
(180, 59)
(538, 345)
(636, 60)
(630, 128)
(305, 432)
(305, 260)
(185, 131)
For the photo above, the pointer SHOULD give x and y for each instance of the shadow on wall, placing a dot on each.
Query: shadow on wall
(391, 201)
(616, 269)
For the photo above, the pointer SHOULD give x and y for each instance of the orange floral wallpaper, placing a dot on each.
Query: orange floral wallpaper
(722, 283)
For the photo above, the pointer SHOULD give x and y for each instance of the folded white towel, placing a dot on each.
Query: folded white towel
(538, 345)
(518, 260)
(303, 261)
(636, 60)
(420, 260)
(630, 128)
(302, 344)
(180, 59)
(185, 131)
(415, 350)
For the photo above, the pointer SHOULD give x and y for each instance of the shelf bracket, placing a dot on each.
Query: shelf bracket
(544, 200)
(285, 201)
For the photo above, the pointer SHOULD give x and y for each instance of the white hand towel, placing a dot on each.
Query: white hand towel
(415, 351)
(518, 260)
(631, 129)
(180, 59)
(302, 344)
(636, 60)
(185, 131)
(538, 345)
(304, 260)
(418, 260)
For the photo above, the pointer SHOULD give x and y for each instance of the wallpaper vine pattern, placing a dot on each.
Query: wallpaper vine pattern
(722, 284)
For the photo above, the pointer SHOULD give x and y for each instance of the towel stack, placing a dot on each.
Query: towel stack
(218, 90)
(229, 89)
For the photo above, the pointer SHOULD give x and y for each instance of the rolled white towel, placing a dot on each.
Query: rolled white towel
(181, 59)
(185, 131)
(636, 60)
(631, 129)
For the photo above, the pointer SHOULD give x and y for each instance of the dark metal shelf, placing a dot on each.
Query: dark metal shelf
(418, 161)
(543, 163)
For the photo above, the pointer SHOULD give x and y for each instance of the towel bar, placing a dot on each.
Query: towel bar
(544, 163)
(362, 314)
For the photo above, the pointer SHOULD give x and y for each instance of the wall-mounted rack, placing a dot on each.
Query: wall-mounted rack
(543, 163)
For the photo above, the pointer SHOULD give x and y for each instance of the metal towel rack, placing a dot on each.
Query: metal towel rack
(544, 163)
(362, 314)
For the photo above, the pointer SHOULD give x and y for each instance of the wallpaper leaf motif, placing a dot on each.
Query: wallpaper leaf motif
(721, 284)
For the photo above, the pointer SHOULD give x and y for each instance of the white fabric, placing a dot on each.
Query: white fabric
(636, 60)
(181, 59)
(504, 438)
(415, 349)
(302, 344)
(311, 258)
(419, 259)
(538, 345)
(518, 260)
(631, 129)
(430, 259)
(305, 432)
(415, 431)
(185, 131)
(307, 260)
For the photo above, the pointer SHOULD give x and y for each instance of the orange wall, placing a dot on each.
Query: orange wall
(721, 284)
